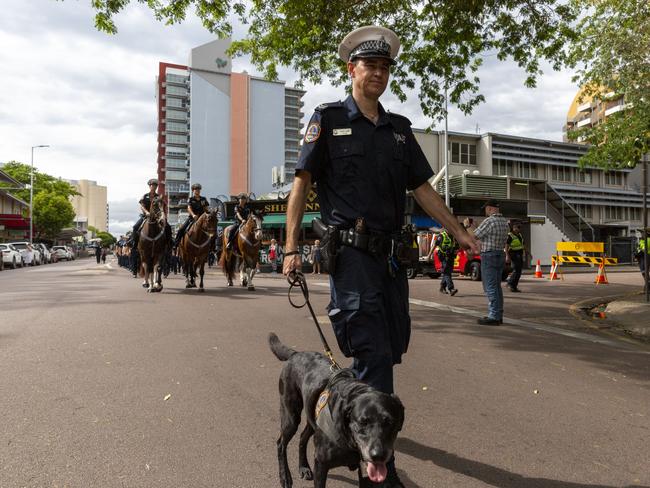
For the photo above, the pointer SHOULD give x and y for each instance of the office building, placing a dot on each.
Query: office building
(14, 212)
(222, 129)
(91, 206)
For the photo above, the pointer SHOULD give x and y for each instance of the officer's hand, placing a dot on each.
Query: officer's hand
(470, 242)
(291, 263)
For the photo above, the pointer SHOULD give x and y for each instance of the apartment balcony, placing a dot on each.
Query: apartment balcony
(585, 107)
(614, 109)
(584, 122)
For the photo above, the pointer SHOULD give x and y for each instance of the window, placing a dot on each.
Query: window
(584, 210)
(463, 153)
(176, 90)
(584, 176)
(176, 114)
(562, 173)
(614, 213)
(501, 167)
(613, 178)
(527, 170)
(176, 175)
(636, 214)
(176, 126)
(175, 139)
(174, 102)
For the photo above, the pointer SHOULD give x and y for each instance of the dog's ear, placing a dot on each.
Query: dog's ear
(400, 411)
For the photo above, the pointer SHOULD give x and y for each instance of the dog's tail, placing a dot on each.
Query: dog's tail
(281, 351)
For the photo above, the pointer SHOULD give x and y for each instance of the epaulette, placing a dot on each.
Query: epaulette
(398, 116)
(324, 106)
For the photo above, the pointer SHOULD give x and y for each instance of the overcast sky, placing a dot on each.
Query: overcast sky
(91, 96)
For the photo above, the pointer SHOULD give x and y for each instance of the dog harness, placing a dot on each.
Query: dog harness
(323, 412)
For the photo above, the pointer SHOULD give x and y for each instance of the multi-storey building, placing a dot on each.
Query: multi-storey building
(563, 201)
(222, 129)
(14, 225)
(589, 111)
(90, 206)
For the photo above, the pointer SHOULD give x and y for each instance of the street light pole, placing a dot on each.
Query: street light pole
(644, 189)
(31, 196)
(446, 151)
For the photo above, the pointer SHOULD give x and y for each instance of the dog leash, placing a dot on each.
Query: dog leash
(296, 278)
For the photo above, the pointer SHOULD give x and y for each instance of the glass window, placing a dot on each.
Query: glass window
(613, 178)
(455, 152)
(472, 154)
(584, 176)
(463, 153)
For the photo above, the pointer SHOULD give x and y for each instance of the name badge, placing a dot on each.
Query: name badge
(342, 132)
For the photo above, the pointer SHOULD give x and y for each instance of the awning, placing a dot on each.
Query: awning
(275, 221)
(14, 221)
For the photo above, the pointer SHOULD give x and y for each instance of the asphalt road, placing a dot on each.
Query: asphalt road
(104, 385)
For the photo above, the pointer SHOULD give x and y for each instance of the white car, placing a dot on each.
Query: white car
(34, 259)
(46, 256)
(11, 257)
(62, 252)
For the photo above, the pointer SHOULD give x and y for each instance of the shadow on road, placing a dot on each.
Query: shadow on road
(629, 362)
(490, 475)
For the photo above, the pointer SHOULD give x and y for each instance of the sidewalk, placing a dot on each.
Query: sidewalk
(632, 313)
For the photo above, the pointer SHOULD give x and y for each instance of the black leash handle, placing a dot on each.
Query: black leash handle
(296, 278)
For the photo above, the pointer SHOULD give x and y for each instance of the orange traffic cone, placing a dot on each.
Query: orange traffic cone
(601, 277)
(553, 275)
(538, 270)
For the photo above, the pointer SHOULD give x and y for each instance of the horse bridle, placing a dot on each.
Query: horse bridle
(255, 229)
(158, 221)
(199, 246)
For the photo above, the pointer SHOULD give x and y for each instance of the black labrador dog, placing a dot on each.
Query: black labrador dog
(351, 422)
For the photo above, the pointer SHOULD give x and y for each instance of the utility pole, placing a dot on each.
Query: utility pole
(446, 151)
(31, 196)
(644, 189)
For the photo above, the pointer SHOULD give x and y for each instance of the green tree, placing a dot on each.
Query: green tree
(611, 56)
(444, 42)
(107, 239)
(52, 213)
(42, 181)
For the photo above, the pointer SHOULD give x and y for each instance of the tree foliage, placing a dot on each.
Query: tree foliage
(52, 212)
(443, 42)
(612, 56)
(52, 208)
(106, 238)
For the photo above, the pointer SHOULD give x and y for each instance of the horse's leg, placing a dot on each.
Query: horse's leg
(251, 273)
(187, 271)
(242, 271)
(229, 266)
(202, 272)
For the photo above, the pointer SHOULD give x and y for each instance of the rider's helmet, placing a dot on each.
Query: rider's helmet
(196, 186)
(152, 181)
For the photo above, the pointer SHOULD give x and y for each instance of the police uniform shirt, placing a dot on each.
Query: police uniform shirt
(198, 205)
(362, 170)
(243, 211)
(145, 201)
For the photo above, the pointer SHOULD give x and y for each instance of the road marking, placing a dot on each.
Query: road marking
(526, 324)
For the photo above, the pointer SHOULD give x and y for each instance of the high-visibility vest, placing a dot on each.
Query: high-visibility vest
(448, 242)
(517, 242)
(642, 244)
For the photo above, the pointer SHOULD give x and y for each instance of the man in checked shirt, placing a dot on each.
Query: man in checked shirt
(493, 234)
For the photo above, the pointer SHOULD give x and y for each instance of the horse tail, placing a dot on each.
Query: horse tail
(281, 351)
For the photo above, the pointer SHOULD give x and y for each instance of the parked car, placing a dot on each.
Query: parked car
(62, 252)
(72, 251)
(11, 257)
(46, 255)
(35, 258)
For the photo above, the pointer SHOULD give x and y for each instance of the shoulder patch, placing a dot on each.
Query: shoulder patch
(312, 133)
(324, 106)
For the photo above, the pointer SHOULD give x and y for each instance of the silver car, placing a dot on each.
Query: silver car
(11, 257)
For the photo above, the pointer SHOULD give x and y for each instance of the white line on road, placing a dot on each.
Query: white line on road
(523, 323)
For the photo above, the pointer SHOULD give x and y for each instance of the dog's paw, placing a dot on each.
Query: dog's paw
(305, 473)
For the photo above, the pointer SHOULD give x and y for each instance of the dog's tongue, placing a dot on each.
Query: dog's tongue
(377, 472)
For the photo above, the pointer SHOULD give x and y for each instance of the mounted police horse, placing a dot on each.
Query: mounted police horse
(245, 254)
(195, 247)
(152, 247)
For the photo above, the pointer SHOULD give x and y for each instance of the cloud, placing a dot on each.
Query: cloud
(91, 96)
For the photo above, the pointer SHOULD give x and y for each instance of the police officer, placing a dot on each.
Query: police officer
(145, 206)
(447, 248)
(515, 254)
(642, 251)
(363, 160)
(242, 211)
(196, 206)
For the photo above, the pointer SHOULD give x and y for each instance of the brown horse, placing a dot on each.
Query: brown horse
(195, 247)
(152, 247)
(245, 256)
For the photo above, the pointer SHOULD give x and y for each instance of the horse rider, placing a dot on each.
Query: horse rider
(196, 206)
(242, 211)
(145, 206)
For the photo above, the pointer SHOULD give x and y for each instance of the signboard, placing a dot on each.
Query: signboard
(598, 247)
(537, 219)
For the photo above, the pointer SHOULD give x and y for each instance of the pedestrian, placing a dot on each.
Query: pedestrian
(98, 253)
(29, 255)
(642, 250)
(273, 255)
(447, 248)
(515, 251)
(364, 159)
(493, 233)
(104, 253)
(315, 257)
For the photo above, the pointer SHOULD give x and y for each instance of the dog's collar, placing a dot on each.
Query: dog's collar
(323, 413)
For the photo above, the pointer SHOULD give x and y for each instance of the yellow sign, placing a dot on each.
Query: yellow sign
(585, 260)
(581, 246)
